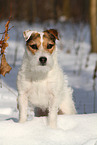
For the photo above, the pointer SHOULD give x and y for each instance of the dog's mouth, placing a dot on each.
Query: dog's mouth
(42, 64)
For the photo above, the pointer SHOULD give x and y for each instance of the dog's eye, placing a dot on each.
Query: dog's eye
(34, 46)
(49, 46)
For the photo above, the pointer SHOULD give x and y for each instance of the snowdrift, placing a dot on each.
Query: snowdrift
(72, 130)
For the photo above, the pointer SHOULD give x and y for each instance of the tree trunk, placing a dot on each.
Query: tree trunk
(54, 10)
(29, 11)
(66, 8)
(34, 8)
(93, 25)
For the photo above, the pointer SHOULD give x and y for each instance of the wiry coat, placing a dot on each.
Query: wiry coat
(44, 86)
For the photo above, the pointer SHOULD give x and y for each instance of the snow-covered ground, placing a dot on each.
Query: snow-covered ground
(72, 130)
(78, 64)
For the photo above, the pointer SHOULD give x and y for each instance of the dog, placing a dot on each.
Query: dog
(40, 80)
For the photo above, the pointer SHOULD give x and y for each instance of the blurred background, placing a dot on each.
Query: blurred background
(76, 22)
(41, 10)
(56, 10)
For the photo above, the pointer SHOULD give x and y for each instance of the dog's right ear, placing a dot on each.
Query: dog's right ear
(27, 34)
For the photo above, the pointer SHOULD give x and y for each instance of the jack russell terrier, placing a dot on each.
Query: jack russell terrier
(40, 80)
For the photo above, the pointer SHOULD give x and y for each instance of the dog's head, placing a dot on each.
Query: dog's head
(41, 48)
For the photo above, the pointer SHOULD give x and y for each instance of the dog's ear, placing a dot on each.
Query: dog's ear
(53, 32)
(27, 34)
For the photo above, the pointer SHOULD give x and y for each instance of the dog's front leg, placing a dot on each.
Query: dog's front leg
(23, 105)
(52, 116)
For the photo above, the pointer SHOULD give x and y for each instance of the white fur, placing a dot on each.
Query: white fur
(43, 86)
(28, 33)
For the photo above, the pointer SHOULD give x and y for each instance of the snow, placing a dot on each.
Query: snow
(78, 64)
(72, 130)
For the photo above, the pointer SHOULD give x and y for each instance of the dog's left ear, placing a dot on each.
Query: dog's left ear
(27, 34)
(54, 32)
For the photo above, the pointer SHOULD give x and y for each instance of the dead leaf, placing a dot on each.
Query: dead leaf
(5, 67)
(3, 47)
(1, 42)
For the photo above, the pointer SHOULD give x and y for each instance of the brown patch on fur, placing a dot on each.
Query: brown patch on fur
(53, 32)
(34, 39)
(48, 39)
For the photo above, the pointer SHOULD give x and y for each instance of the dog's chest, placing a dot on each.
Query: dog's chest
(40, 94)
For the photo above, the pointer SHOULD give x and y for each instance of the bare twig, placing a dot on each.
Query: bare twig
(9, 89)
(94, 85)
(8, 30)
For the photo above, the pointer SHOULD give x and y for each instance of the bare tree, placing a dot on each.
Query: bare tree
(93, 25)
(66, 8)
(34, 5)
(55, 11)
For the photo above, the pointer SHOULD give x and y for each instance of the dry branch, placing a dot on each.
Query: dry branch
(4, 66)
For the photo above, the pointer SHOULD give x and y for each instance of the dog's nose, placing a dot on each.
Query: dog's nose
(43, 60)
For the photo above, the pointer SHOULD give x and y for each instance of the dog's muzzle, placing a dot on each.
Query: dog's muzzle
(43, 60)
